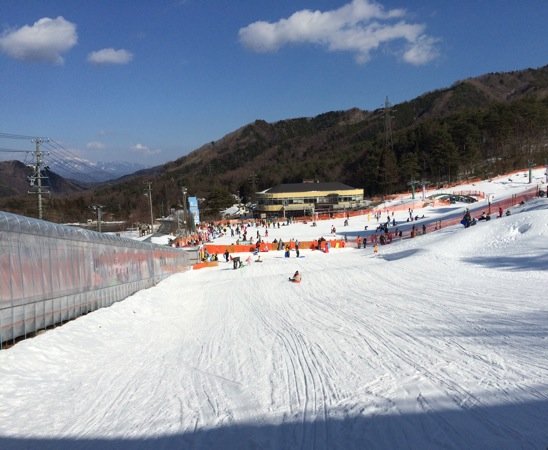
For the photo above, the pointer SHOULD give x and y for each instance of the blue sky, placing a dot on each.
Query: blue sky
(150, 81)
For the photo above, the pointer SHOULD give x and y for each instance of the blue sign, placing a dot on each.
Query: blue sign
(193, 209)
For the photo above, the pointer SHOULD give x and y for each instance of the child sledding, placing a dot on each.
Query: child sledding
(296, 278)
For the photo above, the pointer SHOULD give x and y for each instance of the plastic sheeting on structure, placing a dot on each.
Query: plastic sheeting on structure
(51, 273)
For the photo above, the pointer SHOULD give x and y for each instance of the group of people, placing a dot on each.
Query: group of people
(144, 229)
(237, 263)
(288, 248)
(204, 255)
(468, 220)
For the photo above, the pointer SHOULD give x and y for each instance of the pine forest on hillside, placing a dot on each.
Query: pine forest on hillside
(477, 128)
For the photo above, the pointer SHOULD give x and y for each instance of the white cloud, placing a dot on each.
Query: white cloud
(43, 41)
(358, 27)
(421, 51)
(110, 56)
(145, 150)
(95, 145)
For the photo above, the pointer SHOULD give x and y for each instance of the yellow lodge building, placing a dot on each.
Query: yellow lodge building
(305, 199)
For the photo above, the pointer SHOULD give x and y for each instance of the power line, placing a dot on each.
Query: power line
(60, 159)
(64, 161)
(12, 150)
(82, 168)
(16, 150)
(20, 136)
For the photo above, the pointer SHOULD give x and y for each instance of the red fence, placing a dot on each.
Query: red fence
(491, 209)
(429, 227)
(266, 247)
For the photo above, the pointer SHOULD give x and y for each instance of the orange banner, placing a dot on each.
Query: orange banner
(219, 249)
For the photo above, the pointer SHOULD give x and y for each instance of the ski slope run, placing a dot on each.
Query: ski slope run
(438, 342)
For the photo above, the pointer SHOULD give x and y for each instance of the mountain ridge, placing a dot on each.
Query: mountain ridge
(475, 126)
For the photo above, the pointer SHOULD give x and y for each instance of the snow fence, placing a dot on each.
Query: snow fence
(52, 273)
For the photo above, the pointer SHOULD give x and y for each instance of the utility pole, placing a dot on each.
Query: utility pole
(388, 141)
(424, 183)
(37, 177)
(184, 191)
(253, 186)
(99, 209)
(388, 147)
(149, 193)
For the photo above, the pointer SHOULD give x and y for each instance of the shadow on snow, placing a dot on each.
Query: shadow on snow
(400, 255)
(505, 426)
(500, 330)
(517, 263)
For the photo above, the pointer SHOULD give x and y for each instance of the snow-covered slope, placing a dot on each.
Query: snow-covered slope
(437, 342)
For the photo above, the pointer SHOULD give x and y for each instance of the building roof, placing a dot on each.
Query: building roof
(308, 187)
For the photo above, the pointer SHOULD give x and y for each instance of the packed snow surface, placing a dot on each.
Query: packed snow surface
(440, 341)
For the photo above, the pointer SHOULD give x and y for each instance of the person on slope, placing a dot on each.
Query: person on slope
(466, 219)
(296, 277)
(236, 263)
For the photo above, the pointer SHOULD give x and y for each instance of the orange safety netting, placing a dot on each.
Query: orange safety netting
(266, 247)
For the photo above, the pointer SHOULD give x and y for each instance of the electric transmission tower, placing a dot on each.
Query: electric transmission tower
(148, 192)
(385, 170)
(37, 187)
(388, 140)
(253, 187)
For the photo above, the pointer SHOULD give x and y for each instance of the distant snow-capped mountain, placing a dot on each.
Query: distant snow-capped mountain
(119, 168)
(88, 171)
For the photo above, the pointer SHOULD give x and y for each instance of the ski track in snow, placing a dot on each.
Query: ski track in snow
(430, 344)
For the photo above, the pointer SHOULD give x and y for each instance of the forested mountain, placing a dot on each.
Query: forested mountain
(477, 127)
(14, 180)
